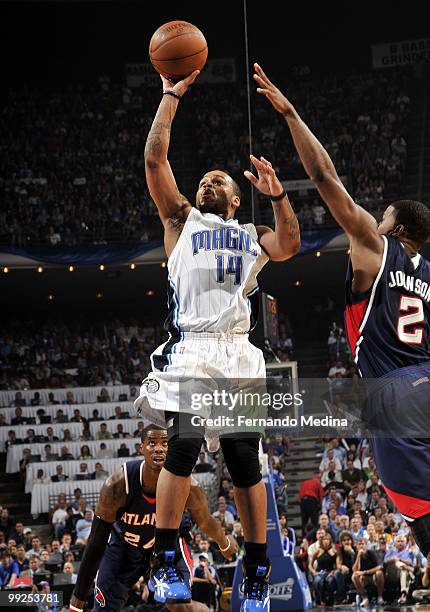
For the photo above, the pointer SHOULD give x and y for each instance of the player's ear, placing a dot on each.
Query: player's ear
(398, 231)
(235, 201)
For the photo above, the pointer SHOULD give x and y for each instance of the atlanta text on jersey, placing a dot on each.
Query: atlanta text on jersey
(138, 519)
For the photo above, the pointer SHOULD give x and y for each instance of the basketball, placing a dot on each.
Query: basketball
(177, 48)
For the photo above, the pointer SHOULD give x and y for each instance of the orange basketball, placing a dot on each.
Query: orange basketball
(177, 48)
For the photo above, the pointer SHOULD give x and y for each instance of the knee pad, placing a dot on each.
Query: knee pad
(421, 531)
(182, 455)
(241, 457)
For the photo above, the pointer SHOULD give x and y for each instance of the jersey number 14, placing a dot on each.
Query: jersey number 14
(234, 267)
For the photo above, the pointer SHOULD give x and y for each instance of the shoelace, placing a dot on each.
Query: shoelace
(254, 589)
(171, 573)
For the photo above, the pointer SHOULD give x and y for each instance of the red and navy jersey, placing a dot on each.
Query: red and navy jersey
(135, 522)
(388, 326)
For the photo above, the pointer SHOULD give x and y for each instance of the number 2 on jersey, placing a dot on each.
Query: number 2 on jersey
(408, 304)
(234, 266)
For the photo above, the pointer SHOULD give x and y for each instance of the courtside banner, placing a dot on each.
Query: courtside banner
(401, 53)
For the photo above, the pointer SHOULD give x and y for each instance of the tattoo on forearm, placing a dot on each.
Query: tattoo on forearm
(153, 144)
(159, 134)
(288, 219)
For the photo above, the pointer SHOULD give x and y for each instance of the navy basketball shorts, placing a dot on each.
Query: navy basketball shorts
(398, 420)
(120, 569)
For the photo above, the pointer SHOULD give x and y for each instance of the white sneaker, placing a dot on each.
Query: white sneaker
(380, 601)
(364, 603)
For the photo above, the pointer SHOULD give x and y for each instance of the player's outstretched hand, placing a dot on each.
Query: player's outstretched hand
(181, 86)
(272, 93)
(267, 182)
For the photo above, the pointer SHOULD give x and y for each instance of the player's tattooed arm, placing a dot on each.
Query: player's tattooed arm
(159, 176)
(197, 506)
(284, 242)
(113, 496)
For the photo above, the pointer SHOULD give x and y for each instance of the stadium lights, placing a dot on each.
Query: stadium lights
(318, 254)
(40, 269)
(71, 268)
(297, 283)
(163, 264)
(150, 293)
(348, 252)
(5, 269)
(51, 297)
(101, 267)
(132, 266)
(99, 295)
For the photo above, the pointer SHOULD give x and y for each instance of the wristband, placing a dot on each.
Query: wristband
(171, 92)
(227, 547)
(281, 196)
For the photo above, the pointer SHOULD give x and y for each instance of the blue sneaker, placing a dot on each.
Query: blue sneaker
(166, 581)
(255, 588)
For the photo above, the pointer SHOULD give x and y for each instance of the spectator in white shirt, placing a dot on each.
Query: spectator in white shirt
(104, 452)
(59, 517)
(222, 514)
(337, 368)
(330, 459)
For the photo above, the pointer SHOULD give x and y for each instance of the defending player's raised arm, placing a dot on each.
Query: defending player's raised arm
(356, 221)
(197, 506)
(112, 497)
(159, 176)
(284, 242)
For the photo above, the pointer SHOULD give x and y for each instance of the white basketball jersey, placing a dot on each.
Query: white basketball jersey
(213, 276)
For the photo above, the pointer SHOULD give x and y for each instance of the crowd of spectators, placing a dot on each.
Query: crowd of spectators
(354, 542)
(359, 118)
(74, 172)
(53, 354)
(23, 554)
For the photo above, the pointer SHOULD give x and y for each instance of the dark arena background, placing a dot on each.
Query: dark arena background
(83, 272)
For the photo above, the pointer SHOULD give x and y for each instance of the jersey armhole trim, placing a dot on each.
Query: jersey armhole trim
(141, 473)
(375, 285)
(124, 467)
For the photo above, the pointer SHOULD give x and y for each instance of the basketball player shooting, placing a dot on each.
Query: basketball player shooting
(387, 320)
(212, 265)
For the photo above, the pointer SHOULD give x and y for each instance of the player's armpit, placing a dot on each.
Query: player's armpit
(164, 191)
(113, 496)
